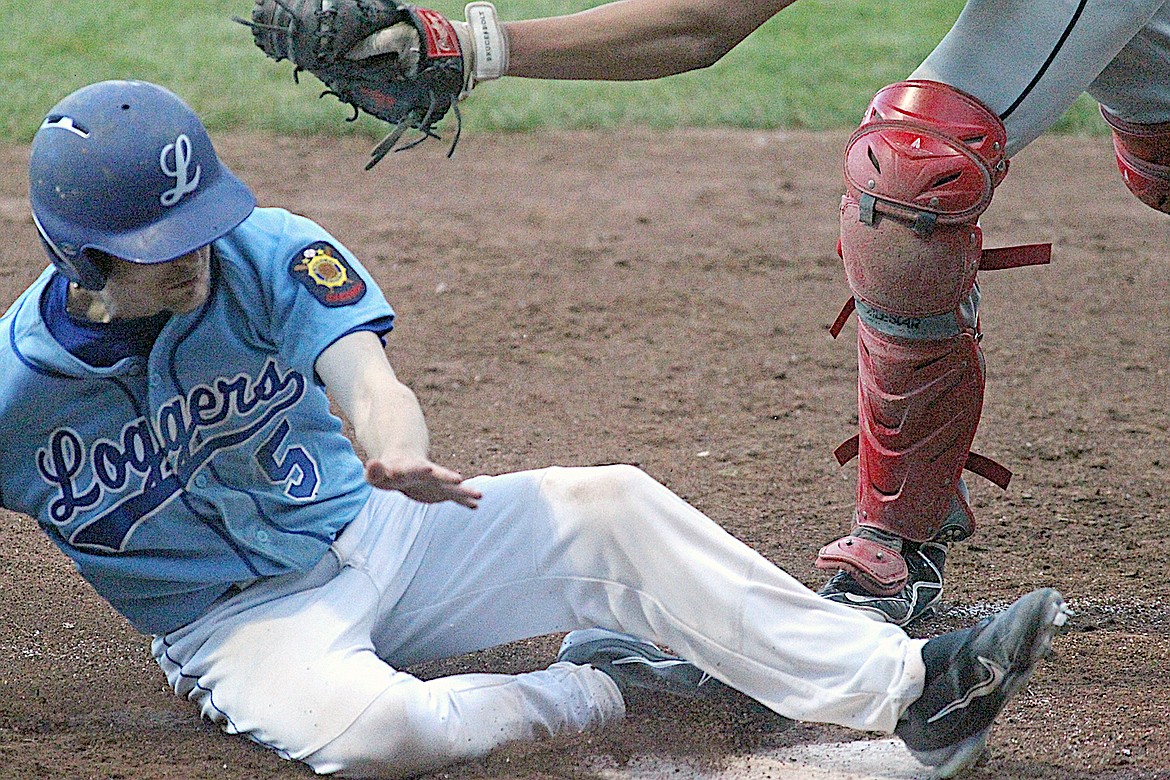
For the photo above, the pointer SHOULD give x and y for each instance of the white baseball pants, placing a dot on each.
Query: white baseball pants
(308, 664)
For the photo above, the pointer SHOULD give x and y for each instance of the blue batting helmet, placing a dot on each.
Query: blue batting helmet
(126, 168)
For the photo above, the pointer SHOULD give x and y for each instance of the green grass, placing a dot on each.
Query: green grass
(814, 66)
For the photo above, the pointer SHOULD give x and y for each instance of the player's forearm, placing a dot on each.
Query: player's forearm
(384, 413)
(388, 421)
(632, 39)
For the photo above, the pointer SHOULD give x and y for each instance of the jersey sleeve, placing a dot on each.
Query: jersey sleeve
(320, 292)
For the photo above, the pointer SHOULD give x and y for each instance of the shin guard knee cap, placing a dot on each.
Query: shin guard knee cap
(919, 171)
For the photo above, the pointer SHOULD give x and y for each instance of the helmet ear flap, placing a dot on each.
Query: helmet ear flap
(84, 268)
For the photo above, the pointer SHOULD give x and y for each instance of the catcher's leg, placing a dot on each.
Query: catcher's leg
(1143, 157)
(919, 171)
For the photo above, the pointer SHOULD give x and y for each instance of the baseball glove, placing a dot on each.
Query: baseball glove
(411, 83)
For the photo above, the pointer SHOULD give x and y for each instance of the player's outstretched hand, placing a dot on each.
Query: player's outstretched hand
(422, 480)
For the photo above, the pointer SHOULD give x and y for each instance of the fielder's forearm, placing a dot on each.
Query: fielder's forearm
(632, 39)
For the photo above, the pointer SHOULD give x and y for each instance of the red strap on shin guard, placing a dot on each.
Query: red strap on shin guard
(1015, 256)
(993, 471)
(843, 317)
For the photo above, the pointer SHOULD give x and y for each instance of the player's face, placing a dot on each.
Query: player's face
(180, 286)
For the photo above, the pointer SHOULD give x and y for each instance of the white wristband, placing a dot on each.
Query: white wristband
(491, 47)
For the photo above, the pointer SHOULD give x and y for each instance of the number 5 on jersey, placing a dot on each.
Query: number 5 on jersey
(296, 467)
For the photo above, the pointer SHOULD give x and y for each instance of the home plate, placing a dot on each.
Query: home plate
(886, 759)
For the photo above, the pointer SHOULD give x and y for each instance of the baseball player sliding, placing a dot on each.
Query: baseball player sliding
(165, 394)
(919, 171)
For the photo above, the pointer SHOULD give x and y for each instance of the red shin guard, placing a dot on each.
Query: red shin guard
(919, 171)
(918, 407)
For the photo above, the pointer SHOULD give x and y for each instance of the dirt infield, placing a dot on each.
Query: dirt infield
(663, 299)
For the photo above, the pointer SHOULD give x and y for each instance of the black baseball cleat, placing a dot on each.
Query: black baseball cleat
(918, 598)
(971, 674)
(636, 664)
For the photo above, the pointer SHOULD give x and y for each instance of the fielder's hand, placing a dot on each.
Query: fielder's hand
(401, 63)
(421, 480)
(481, 42)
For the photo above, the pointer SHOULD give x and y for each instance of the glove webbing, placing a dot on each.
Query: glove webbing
(323, 51)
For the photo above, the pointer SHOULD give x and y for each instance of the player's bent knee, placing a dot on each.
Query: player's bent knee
(1143, 158)
(590, 486)
(599, 504)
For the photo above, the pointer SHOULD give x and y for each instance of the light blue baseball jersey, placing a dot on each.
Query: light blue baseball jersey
(214, 461)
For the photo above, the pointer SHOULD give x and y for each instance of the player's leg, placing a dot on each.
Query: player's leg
(550, 551)
(415, 726)
(290, 662)
(920, 170)
(608, 546)
(1134, 92)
